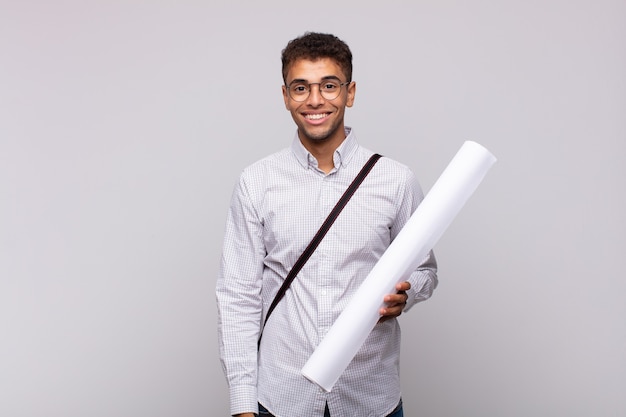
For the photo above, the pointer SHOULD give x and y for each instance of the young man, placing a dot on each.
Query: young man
(277, 207)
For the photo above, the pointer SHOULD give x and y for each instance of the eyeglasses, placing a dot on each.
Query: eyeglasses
(329, 89)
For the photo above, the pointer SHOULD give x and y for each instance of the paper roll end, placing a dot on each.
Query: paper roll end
(480, 148)
(325, 387)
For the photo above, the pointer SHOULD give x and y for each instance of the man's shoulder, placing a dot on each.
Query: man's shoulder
(267, 168)
(390, 165)
(393, 175)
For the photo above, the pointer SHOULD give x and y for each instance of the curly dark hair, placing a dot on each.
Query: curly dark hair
(314, 46)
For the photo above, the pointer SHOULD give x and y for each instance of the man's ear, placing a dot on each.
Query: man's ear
(285, 97)
(351, 94)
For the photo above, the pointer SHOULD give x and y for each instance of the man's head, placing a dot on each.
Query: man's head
(318, 86)
(313, 46)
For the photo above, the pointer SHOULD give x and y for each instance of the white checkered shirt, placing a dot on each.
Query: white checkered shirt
(277, 207)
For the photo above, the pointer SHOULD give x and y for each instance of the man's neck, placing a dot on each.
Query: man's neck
(323, 152)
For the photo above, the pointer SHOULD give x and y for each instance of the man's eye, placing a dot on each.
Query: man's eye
(299, 89)
(330, 86)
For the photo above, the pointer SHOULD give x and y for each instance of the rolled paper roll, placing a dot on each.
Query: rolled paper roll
(418, 236)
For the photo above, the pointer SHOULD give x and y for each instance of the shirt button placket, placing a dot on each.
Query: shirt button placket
(325, 264)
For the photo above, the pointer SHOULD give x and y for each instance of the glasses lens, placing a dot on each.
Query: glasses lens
(299, 91)
(330, 89)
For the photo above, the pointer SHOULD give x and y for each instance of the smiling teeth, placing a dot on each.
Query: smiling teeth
(315, 116)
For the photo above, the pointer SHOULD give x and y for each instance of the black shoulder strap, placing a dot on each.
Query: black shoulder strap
(304, 257)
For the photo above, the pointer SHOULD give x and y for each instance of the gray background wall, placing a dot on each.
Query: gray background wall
(124, 125)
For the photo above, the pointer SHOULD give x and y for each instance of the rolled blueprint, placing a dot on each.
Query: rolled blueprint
(418, 236)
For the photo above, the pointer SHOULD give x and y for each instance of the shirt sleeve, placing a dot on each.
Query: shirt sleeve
(424, 279)
(239, 302)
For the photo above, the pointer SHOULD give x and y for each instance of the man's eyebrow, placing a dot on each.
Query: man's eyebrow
(302, 80)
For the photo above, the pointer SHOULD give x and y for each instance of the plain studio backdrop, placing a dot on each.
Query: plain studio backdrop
(125, 124)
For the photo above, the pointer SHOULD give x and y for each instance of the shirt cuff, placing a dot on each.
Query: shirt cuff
(243, 399)
(422, 287)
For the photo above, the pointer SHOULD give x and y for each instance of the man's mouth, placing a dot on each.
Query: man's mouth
(316, 116)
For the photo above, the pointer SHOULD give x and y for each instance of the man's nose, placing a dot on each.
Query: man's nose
(315, 94)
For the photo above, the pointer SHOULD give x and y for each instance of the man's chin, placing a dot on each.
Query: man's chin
(316, 137)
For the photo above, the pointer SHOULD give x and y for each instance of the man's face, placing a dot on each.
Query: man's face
(319, 119)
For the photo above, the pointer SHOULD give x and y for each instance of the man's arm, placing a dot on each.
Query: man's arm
(238, 293)
(422, 282)
(407, 294)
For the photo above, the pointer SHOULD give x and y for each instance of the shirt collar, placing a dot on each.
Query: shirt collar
(342, 155)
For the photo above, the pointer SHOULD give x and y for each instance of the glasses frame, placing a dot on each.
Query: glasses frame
(319, 86)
